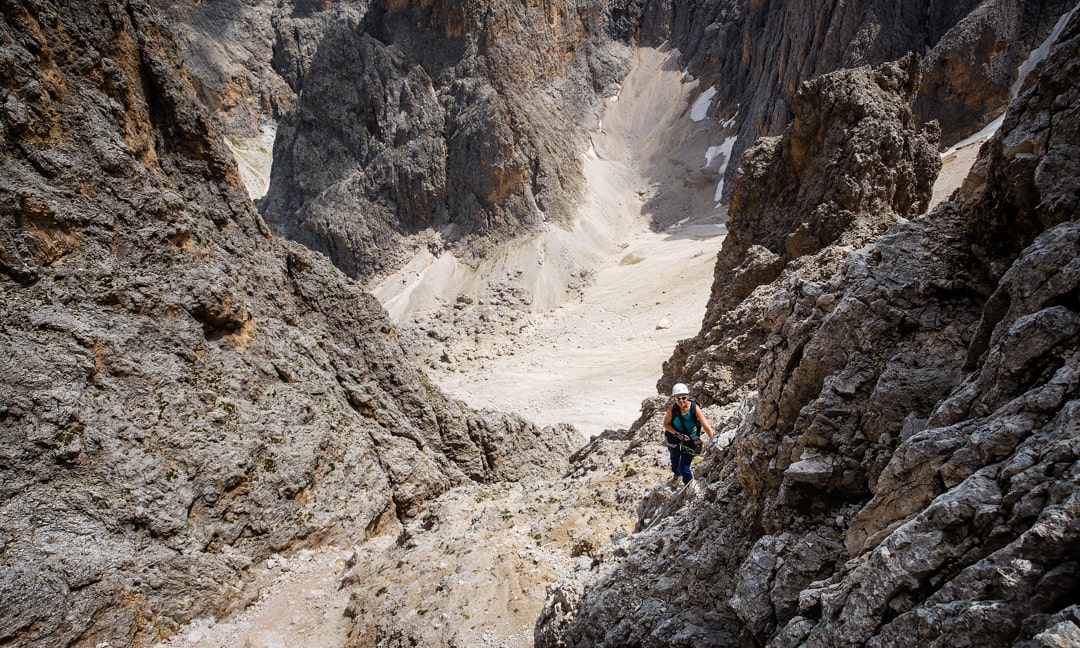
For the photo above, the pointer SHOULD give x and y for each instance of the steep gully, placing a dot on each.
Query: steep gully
(591, 361)
(648, 292)
(180, 319)
(657, 150)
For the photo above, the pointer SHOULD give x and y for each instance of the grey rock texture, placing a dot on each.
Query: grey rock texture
(459, 125)
(466, 119)
(852, 163)
(907, 472)
(972, 68)
(473, 568)
(227, 50)
(248, 59)
(181, 393)
(757, 54)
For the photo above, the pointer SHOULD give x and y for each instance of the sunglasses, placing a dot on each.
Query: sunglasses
(682, 398)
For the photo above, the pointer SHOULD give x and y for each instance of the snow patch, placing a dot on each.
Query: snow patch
(719, 193)
(985, 133)
(700, 109)
(711, 154)
(715, 151)
(724, 149)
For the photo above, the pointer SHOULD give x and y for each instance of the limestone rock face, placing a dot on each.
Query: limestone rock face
(466, 119)
(851, 164)
(757, 55)
(248, 59)
(181, 393)
(464, 122)
(907, 470)
(227, 49)
(971, 69)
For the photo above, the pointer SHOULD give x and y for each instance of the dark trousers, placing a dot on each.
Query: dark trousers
(680, 463)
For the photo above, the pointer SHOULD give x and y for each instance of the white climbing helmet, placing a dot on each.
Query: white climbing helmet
(679, 388)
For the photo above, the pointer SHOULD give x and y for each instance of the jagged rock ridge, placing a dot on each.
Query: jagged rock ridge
(853, 162)
(463, 127)
(906, 471)
(756, 55)
(182, 393)
(248, 61)
(459, 118)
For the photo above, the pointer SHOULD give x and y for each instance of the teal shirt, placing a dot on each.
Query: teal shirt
(688, 423)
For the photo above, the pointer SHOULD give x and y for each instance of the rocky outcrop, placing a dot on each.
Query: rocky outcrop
(248, 60)
(907, 471)
(852, 163)
(463, 119)
(182, 394)
(972, 68)
(756, 55)
(473, 568)
(364, 167)
(227, 50)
